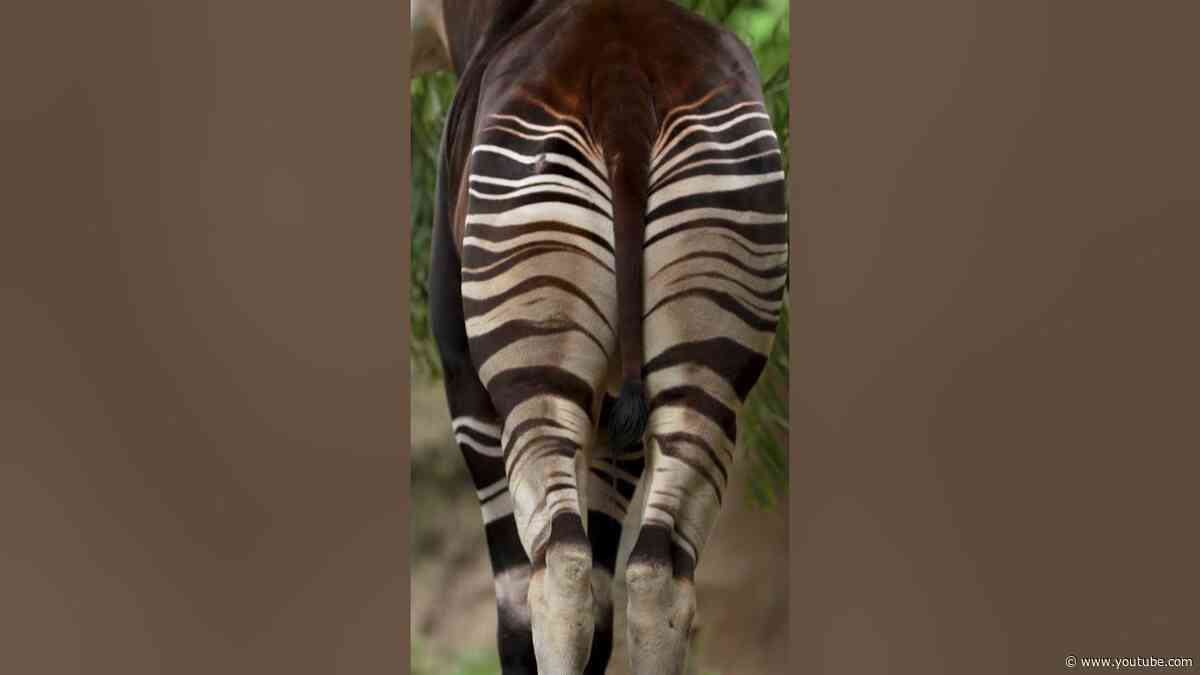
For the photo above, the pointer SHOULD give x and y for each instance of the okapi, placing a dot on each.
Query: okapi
(609, 260)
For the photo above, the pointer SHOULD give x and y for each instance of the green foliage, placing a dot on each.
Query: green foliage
(763, 26)
(763, 426)
(431, 96)
(478, 662)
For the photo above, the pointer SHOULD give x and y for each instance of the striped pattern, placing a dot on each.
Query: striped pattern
(546, 213)
(716, 268)
(539, 298)
(480, 442)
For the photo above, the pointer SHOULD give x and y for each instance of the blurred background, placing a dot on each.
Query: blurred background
(743, 623)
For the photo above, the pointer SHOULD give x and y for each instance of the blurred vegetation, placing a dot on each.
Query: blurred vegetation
(479, 662)
(763, 26)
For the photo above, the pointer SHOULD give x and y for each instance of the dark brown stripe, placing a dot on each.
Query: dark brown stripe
(771, 234)
(504, 544)
(540, 448)
(774, 295)
(742, 129)
(515, 385)
(738, 365)
(655, 546)
(503, 233)
(724, 301)
(532, 423)
(778, 271)
(474, 307)
(670, 445)
(484, 470)
(497, 206)
(484, 439)
(493, 496)
(500, 262)
(485, 345)
(697, 399)
(504, 133)
(555, 487)
(759, 165)
(766, 197)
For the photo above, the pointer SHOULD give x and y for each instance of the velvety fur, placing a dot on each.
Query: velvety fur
(609, 242)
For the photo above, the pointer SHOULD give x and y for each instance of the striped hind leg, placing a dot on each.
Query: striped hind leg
(477, 431)
(612, 480)
(543, 365)
(539, 296)
(545, 441)
(690, 456)
(715, 264)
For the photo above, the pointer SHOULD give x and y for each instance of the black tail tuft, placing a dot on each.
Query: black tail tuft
(627, 418)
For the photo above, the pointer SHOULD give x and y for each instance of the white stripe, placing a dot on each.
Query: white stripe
(682, 543)
(670, 270)
(574, 142)
(579, 125)
(485, 450)
(717, 238)
(583, 144)
(566, 133)
(602, 254)
(497, 508)
(566, 412)
(558, 212)
(477, 425)
(731, 160)
(708, 184)
(582, 357)
(710, 129)
(767, 310)
(696, 117)
(492, 489)
(534, 189)
(551, 157)
(702, 376)
(702, 147)
(593, 281)
(658, 513)
(540, 179)
(541, 249)
(735, 217)
(553, 301)
(664, 329)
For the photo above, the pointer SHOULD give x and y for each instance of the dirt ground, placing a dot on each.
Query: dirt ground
(742, 579)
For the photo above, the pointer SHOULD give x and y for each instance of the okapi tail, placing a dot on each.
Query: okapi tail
(624, 123)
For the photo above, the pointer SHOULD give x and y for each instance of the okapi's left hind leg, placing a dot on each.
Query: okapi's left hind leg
(477, 431)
